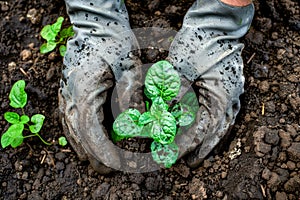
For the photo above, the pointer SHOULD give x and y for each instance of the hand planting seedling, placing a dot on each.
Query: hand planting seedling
(14, 135)
(162, 120)
(55, 36)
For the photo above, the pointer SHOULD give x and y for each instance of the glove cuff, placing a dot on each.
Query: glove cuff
(209, 34)
(101, 26)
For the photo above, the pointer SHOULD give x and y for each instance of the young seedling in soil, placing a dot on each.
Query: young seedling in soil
(62, 141)
(55, 36)
(14, 135)
(163, 118)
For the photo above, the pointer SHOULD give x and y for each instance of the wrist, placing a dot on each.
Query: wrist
(238, 3)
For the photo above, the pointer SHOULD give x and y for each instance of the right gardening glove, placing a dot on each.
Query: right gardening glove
(207, 54)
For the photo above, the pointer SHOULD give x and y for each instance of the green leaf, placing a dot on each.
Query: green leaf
(12, 117)
(24, 119)
(163, 129)
(126, 125)
(191, 100)
(145, 118)
(187, 117)
(156, 109)
(62, 141)
(176, 110)
(37, 120)
(17, 95)
(189, 106)
(164, 154)
(48, 47)
(62, 50)
(162, 80)
(67, 32)
(115, 137)
(146, 130)
(13, 136)
(158, 101)
(183, 114)
(49, 32)
(148, 94)
(134, 114)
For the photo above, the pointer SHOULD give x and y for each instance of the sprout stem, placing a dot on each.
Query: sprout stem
(39, 137)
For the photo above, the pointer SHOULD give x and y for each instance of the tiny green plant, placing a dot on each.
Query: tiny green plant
(62, 141)
(54, 36)
(14, 134)
(163, 118)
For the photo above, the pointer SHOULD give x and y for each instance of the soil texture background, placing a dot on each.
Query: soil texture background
(260, 158)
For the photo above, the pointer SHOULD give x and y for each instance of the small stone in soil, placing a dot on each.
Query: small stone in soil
(101, 191)
(293, 184)
(25, 54)
(294, 151)
(271, 137)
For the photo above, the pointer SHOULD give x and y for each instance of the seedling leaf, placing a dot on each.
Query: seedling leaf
(62, 141)
(62, 50)
(145, 118)
(17, 95)
(189, 106)
(162, 80)
(126, 124)
(67, 32)
(176, 110)
(187, 116)
(158, 101)
(47, 47)
(134, 114)
(191, 100)
(164, 154)
(164, 129)
(49, 32)
(13, 136)
(158, 108)
(37, 120)
(12, 117)
(24, 119)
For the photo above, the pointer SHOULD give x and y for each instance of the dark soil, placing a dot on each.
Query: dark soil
(260, 159)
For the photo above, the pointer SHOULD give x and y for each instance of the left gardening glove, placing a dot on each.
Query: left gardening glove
(103, 51)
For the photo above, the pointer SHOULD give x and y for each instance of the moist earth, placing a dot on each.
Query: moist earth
(259, 159)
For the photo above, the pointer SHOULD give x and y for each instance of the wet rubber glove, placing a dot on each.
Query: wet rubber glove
(207, 54)
(102, 53)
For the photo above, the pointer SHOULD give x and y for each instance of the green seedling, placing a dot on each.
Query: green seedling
(162, 119)
(14, 134)
(55, 36)
(62, 141)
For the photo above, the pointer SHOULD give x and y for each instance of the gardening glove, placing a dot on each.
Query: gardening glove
(101, 54)
(207, 54)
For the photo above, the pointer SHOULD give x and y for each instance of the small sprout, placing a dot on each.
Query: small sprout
(62, 141)
(17, 95)
(55, 36)
(160, 121)
(14, 134)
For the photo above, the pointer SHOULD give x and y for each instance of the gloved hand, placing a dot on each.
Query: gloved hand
(100, 53)
(206, 53)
